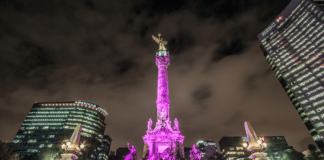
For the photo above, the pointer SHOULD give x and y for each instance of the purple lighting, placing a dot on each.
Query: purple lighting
(163, 141)
(195, 154)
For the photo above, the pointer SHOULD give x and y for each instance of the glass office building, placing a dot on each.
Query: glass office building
(293, 44)
(208, 149)
(49, 125)
(102, 151)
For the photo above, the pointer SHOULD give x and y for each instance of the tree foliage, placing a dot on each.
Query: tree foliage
(6, 154)
(50, 153)
(313, 154)
(292, 154)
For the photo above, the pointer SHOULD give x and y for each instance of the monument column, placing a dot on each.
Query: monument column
(162, 60)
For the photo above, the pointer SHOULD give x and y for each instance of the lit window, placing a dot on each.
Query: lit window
(17, 141)
(51, 136)
(32, 140)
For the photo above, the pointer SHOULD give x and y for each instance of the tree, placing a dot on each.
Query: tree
(51, 153)
(313, 154)
(6, 154)
(292, 154)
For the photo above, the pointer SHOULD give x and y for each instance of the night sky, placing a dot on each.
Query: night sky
(101, 51)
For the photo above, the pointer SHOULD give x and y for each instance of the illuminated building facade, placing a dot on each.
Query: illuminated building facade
(102, 151)
(50, 125)
(208, 149)
(232, 147)
(293, 45)
(164, 141)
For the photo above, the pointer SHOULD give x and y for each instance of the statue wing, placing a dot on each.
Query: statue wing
(156, 39)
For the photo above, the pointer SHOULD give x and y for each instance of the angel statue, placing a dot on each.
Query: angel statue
(160, 42)
(149, 125)
(195, 154)
(176, 124)
(133, 154)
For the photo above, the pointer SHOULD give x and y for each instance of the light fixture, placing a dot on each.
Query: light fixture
(264, 144)
(68, 143)
(244, 144)
(82, 146)
(259, 141)
(63, 146)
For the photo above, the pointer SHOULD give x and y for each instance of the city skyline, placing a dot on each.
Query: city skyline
(103, 53)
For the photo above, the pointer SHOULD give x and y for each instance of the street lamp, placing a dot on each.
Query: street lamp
(81, 146)
(68, 143)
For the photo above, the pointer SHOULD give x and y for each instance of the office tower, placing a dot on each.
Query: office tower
(51, 124)
(208, 149)
(187, 152)
(102, 151)
(293, 44)
(232, 147)
(122, 152)
(163, 141)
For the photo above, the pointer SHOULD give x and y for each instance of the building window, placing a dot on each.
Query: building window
(239, 148)
(32, 150)
(16, 141)
(45, 127)
(32, 140)
(51, 136)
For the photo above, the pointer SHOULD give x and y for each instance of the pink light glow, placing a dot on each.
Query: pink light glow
(163, 141)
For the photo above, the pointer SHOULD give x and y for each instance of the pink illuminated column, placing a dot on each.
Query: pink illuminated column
(162, 101)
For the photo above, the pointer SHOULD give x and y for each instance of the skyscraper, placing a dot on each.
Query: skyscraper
(232, 147)
(102, 151)
(208, 149)
(51, 124)
(293, 44)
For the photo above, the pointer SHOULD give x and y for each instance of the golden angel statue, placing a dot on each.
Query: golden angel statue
(160, 42)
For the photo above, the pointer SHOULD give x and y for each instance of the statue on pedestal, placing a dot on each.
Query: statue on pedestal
(149, 125)
(160, 42)
(195, 154)
(176, 124)
(163, 115)
(133, 154)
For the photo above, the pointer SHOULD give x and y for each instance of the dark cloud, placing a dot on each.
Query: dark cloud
(235, 47)
(235, 119)
(202, 92)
